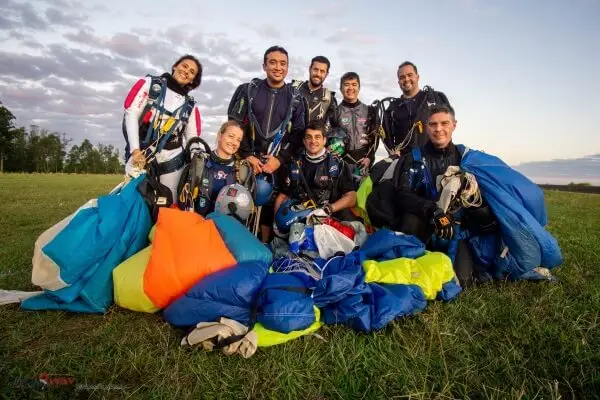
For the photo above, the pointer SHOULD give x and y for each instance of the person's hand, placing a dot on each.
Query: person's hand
(443, 224)
(328, 209)
(365, 165)
(257, 166)
(138, 159)
(271, 165)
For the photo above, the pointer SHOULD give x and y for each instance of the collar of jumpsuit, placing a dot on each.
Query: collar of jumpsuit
(316, 158)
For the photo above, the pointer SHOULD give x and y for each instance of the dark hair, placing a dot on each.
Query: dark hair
(446, 108)
(348, 76)
(198, 78)
(407, 63)
(273, 49)
(316, 126)
(320, 59)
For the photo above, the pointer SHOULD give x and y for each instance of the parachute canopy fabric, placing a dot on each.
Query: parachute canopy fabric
(185, 249)
(128, 281)
(519, 207)
(364, 190)
(227, 293)
(86, 249)
(242, 244)
(345, 298)
(430, 272)
(268, 337)
(388, 245)
(285, 303)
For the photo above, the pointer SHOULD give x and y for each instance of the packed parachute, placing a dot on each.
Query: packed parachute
(288, 223)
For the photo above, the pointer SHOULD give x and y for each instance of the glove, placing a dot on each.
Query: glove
(443, 224)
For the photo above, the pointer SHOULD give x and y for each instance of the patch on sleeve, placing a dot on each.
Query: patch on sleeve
(134, 92)
(198, 121)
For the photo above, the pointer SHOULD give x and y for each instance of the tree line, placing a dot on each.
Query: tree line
(39, 150)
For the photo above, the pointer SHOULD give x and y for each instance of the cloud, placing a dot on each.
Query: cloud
(342, 35)
(77, 85)
(265, 31)
(58, 17)
(324, 11)
(23, 16)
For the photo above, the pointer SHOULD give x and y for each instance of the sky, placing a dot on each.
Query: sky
(523, 76)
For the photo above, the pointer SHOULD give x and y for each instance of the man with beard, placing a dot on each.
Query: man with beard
(405, 117)
(272, 112)
(320, 102)
(318, 176)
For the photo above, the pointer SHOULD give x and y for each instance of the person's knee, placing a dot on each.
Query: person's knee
(412, 224)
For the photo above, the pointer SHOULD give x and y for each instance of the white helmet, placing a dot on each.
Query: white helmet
(235, 200)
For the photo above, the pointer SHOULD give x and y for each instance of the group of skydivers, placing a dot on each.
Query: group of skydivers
(290, 147)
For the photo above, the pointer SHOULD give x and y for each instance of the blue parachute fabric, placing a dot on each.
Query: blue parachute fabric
(353, 311)
(342, 276)
(388, 245)
(519, 207)
(306, 270)
(227, 293)
(242, 244)
(345, 298)
(395, 301)
(87, 250)
(449, 291)
(285, 303)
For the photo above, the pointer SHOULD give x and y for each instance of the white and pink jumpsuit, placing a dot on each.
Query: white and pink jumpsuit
(135, 103)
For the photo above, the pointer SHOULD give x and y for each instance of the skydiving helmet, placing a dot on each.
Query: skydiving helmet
(290, 212)
(235, 200)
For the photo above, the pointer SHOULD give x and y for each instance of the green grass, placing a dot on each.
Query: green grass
(501, 340)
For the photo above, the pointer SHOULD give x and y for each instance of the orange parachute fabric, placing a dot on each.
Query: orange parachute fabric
(186, 248)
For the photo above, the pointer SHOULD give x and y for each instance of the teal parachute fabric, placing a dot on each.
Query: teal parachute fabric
(90, 246)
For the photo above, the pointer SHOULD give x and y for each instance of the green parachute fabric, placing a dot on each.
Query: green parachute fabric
(430, 272)
(364, 190)
(128, 281)
(268, 338)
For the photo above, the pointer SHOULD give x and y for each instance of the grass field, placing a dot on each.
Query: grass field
(501, 340)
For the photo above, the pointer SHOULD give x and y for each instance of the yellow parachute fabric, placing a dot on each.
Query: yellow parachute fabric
(128, 281)
(430, 272)
(364, 190)
(271, 338)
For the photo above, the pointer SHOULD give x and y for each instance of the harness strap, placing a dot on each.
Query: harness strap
(420, 164)
(172, 165)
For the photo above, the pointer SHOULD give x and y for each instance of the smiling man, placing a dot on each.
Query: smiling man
(405, 117)
(353, 118)
(320, 102)
(273, 113)
(319, 176)
(409, 201)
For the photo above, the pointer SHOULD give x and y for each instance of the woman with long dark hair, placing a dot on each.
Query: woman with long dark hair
(160, 118)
